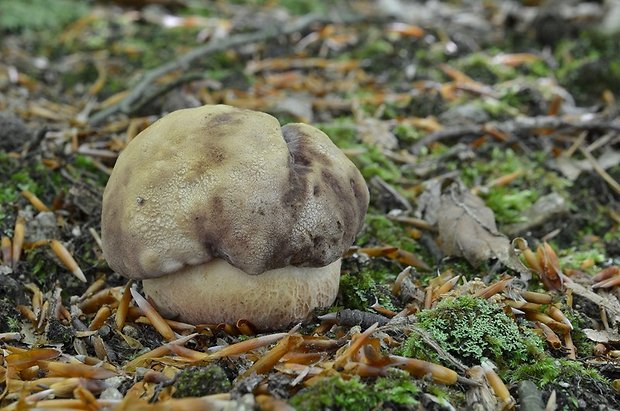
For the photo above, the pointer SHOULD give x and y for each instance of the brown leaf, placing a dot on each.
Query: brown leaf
(467, 229)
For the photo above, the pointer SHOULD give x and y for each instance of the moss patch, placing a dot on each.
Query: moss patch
(336, 393)
(200, 381)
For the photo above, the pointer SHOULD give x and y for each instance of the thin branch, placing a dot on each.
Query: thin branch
(127, 105)
(516, 126)
(601, 171)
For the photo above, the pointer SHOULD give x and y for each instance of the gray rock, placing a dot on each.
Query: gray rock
(13, 132)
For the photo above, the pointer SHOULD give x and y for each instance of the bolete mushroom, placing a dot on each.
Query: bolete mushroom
(226, 215)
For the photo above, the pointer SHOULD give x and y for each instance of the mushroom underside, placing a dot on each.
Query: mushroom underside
(217, 292)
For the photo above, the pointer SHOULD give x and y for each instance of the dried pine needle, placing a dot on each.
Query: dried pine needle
(35, 201)
(18, 238)
(67, 259)
(154, 317)
(123, 307)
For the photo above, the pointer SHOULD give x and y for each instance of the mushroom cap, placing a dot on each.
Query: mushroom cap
(272, 300)
(221, 182)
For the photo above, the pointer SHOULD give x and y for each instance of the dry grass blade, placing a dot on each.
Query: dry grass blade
(545, 319)
(551, 337)
(608, 283)
(408, 258)
(269, 403)
(26, 359)
(67, 259)
(355, 344)
(175, 325)
(123, 306)
(103, 314)
(493, 289)
(94, 287)
(557, 314)
(245, 327)
(302, 357)
(613, 184)
(155, 353)
(498, 386)
(35, 201)
(377, 251)
(18, 238)
(59, 404)
(154, 317)
(445, 287)
(62, 369)
(365, 370)
(180, 404)
(524, 306)
(10, 336)
(7, 254)
(534, 297)
(92, 304)
(420, 369)
(188, 354)
(551, 275)
(606, 273)
(247, 345)
(271, 358)
(570, 347)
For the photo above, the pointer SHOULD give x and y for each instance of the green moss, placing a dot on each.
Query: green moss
(574, 258)
(553, 370)
(509, 203)
(415, 347)
(39, 14)
(333, 393)
(397, 388)
(589, 66)
(361, 289)
(376, 46)
(336, 393)
(407, 134)
(341, 131)
(200, 381)
(374, 163)
(380, 230)
(31, 176)
(472, 329)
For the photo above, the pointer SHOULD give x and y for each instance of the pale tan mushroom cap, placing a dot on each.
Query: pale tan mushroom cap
(220, 182)
(272, 300)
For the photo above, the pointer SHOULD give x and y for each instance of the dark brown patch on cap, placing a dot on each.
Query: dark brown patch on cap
(301, 147)
(221, 119)
(349, 211)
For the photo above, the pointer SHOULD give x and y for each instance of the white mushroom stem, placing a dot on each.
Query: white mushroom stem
(217, 292)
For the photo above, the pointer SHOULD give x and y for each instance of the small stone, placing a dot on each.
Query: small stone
(14, 133)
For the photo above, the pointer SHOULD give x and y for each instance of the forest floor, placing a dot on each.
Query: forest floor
(487, 274)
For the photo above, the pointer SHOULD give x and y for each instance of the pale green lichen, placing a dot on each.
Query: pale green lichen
(473, 329)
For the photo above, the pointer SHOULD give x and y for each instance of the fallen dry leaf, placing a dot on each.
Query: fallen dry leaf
(467, 229)
(603, 336)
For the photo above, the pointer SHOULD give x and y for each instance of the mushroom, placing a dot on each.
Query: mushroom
(226, 215)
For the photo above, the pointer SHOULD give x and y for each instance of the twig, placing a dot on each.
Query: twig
(516, 126)
(601, 171)
(137, 94)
